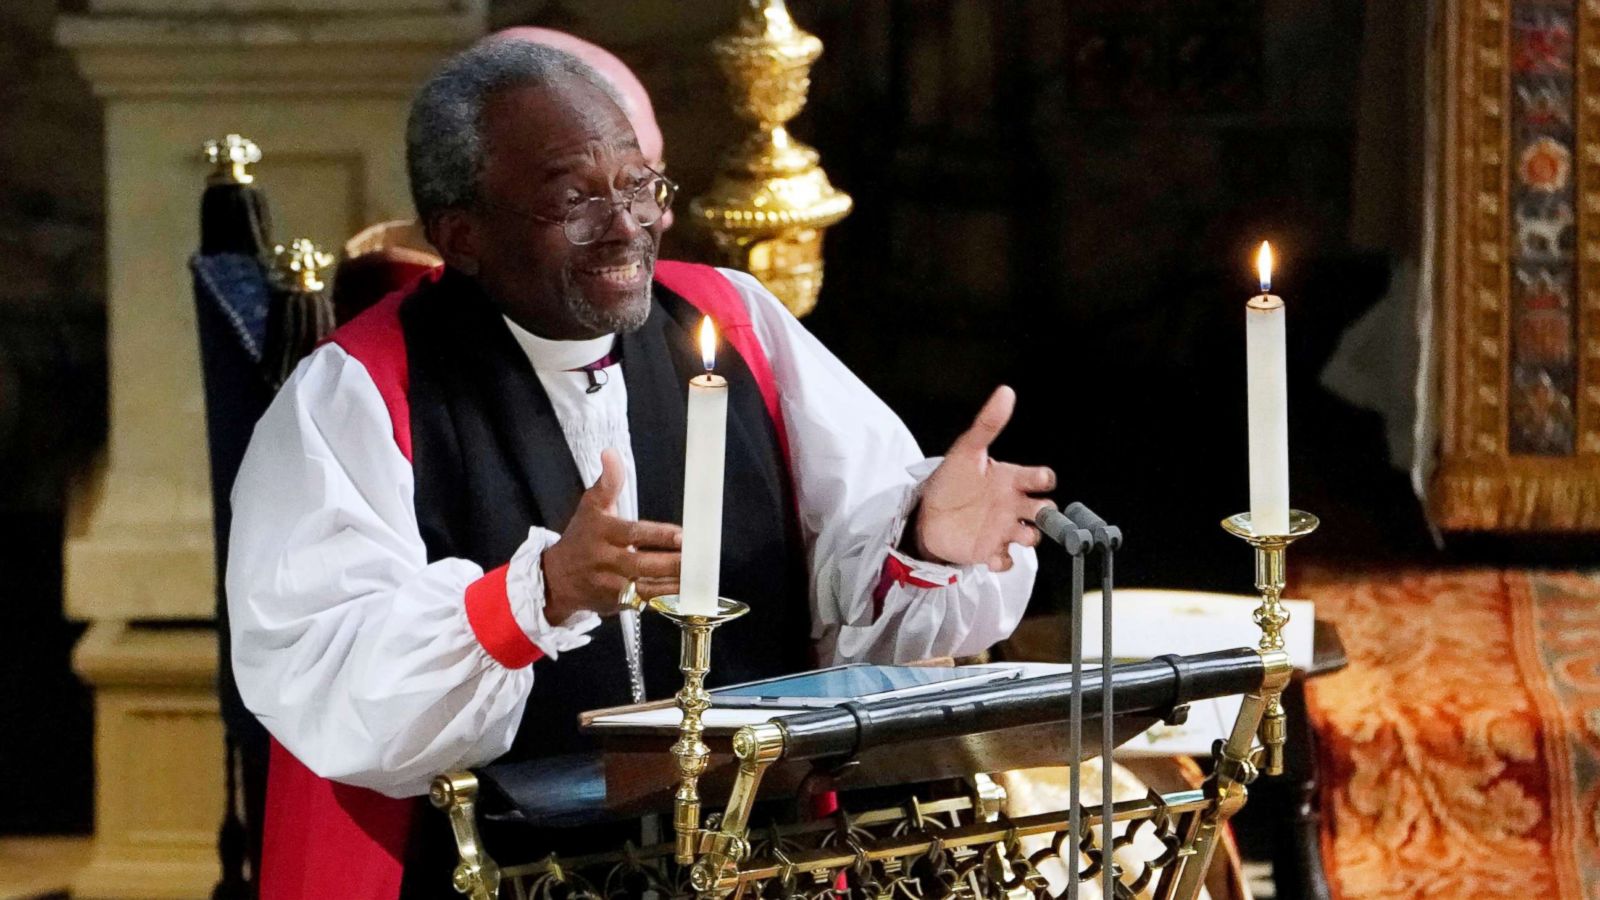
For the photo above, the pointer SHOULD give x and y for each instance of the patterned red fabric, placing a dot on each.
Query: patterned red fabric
(489, 614)
(1461, 748)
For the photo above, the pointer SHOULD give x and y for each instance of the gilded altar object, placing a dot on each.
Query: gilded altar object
(1519, 273)
(770, 202)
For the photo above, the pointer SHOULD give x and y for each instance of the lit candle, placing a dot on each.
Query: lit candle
(1266, 370)
(704, 458)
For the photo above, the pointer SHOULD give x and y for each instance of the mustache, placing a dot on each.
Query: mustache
(643, 249)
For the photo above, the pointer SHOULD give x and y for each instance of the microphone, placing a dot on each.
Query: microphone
(1055, 525)
(1106, 537)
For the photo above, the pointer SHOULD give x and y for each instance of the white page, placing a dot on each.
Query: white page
(1209, 720)
(1150, 622)
(670, 716)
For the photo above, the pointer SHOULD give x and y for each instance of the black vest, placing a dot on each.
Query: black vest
(491, 461)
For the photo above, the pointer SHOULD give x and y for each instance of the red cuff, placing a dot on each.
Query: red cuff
(489, 614)
(897, 572)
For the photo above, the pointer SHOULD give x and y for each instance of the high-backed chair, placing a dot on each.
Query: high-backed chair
(258, 312)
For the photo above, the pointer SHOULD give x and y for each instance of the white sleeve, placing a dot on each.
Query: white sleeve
(354, 651)
(858, 473)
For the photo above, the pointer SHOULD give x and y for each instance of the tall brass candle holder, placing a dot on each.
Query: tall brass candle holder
(691, 751)
(1271, 617)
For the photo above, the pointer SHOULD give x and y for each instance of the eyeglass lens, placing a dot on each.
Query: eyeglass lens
(647, 204)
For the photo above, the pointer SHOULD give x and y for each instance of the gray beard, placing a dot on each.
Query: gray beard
(619, 321)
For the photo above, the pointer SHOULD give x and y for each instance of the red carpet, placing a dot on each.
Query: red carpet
(1461, 748)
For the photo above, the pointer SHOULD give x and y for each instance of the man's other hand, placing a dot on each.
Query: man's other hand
(974, 507)
(599, 554)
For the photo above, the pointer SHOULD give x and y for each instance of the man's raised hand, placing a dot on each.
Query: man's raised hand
(974, 507)
(598, 553)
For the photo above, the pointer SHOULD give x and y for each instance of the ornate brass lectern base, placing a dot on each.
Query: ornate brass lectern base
(952, 848)
(948, 848)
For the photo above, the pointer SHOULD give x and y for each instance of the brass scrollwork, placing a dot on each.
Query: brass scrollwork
(922, 850)
(476, 875)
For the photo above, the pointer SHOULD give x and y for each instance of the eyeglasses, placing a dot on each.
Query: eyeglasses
(591, 218)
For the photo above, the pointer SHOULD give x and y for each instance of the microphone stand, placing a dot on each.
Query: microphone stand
(1106, 539)
(1077, 542)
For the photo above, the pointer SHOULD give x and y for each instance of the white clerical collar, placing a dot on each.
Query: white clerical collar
(560, 356)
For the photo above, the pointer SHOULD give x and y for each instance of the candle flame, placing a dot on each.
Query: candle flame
(708, 343)
(1264, 267)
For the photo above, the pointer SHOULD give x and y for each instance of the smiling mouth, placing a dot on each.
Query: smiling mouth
(626, 275)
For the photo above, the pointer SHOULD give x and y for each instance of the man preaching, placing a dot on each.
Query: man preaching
(438, 513)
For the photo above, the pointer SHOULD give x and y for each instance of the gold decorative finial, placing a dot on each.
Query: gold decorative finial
(300, 265)
(230, 156)
(770, 203)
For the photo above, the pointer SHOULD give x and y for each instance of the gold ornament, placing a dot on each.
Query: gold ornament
(770, 203)
(231, 156)
(300, 265)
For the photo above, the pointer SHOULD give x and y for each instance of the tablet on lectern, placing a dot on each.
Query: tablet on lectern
(830, 687)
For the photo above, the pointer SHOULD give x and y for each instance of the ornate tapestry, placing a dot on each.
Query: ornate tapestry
(1543, 209)
(1461, 748)
(1520, 267)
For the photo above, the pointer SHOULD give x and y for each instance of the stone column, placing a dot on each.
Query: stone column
(323, 87)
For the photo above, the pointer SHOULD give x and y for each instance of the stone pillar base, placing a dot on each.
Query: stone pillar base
(158, 752)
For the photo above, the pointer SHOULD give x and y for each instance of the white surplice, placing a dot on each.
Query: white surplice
(355, 651)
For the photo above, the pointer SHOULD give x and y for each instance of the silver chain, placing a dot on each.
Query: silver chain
(632, 614)
(634, 651)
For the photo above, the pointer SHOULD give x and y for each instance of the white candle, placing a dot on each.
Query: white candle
(703, 463)
(1266, 370)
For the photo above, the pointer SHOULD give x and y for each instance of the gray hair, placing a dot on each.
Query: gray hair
(444, 134)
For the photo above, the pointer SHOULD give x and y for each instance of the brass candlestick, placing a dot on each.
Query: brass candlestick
(1271, 617)
(690, 750)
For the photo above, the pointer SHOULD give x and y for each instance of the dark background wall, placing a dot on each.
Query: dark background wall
(1058, 194)
(1065, 195)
